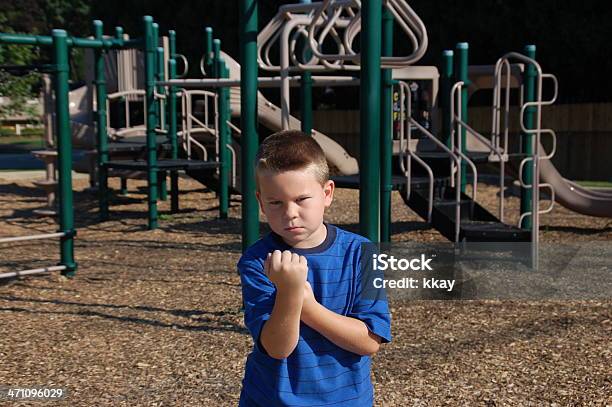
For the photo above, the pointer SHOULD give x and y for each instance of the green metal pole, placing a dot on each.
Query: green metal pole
(26, 39)
(75, 42)
(172, 121)
(224, 139)
(208, 49)
(445, 87)
(119, 34)
(216, 73)
(159, 75)
(369, 172)
(216, 58)
(306, 102)
(248, 120)
(306, 89)
(156, 65)
(64, 149)
(155, 34)
(163, 186)
(529, 78)
(386, 130)
(149, 50)
(461, 74)
(103, 154)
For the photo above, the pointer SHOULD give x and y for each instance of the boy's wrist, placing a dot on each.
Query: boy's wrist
(290, 291)
(290, 299)
(309, 310)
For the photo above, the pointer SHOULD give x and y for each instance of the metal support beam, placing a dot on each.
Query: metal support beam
(224, 140)
(369, 171)
(446, 85)
(306, 89)
(64, 152)
(461, 74)
(248, 120)
(101, 125)
(527, 144)
(150, 61)
(386, 130)
(172, 121)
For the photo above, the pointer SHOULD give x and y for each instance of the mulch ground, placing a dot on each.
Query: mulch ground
(153, 317)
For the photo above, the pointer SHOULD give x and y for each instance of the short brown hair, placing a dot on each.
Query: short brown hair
(291, 150)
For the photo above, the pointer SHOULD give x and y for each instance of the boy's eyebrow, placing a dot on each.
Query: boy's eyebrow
(273, 198)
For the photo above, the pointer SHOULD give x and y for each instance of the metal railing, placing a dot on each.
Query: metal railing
(126, 96)
(504, 64)
(329, 11)
(192, 125)
(237, 131)
(338, 21)
(457, 125)
(407, 153)
(130, 96)
(12, 274)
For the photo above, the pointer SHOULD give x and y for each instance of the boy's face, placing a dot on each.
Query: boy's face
(294, 203)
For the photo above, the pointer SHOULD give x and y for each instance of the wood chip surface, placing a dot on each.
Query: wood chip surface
(153, 318)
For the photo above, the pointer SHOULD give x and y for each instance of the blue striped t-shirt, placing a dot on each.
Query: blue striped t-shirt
(318, 372)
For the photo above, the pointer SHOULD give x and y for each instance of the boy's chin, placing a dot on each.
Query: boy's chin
(294, 238)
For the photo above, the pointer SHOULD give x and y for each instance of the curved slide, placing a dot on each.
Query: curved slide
(270, 116)
(592, 202)
(574, 197)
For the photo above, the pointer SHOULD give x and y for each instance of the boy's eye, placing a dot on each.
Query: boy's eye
(274, 203)
(303, 198)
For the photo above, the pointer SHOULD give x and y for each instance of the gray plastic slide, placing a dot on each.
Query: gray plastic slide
(270, 116)
(574, 197)
(592, 202)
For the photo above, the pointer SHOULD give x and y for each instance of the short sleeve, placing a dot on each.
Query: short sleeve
(370, 307)
(258, 294)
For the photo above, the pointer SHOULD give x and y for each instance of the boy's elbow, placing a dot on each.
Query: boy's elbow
(276, 353)
(371, 349)
(372, 345)
(279, 355)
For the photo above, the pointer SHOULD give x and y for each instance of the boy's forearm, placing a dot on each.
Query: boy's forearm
(348, 333)
(280, 333)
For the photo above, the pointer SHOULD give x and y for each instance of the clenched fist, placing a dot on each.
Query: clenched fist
(288, 271)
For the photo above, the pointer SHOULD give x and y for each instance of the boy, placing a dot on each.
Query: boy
(313, 332)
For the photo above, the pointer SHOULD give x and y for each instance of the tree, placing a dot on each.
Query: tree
(35, 17)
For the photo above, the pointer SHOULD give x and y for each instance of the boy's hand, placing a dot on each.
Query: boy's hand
(286, 270)
(309, 300)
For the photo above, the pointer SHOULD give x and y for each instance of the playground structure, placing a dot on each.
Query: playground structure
(60, 43)
(207, 149)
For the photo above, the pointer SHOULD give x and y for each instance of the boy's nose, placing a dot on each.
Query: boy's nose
(291, 212)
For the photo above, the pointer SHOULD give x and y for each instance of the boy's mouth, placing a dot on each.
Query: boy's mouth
(293, 228)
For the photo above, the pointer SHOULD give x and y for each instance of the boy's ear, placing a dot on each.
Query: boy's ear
(328, 192)
(258, 196)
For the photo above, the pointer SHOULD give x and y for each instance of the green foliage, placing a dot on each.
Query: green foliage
(9, 135)
(35, 17)
(18, 89)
